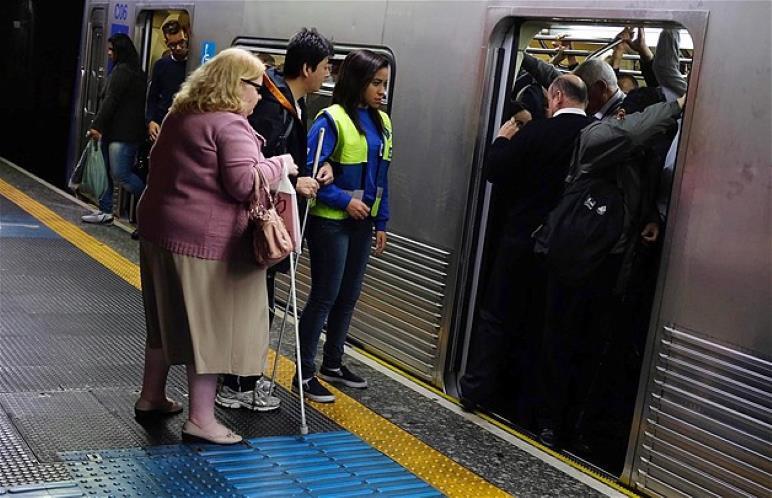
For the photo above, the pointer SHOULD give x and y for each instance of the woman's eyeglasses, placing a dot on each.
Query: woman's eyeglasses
(252, 83)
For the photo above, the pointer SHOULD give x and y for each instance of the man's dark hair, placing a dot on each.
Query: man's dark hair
(307, 46)
(172, 28)
(640, 98)
(571, 88)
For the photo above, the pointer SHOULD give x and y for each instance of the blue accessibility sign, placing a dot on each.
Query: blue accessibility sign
(208, 50)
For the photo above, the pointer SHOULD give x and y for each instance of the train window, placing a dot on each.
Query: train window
(271, 52)
(569, 45)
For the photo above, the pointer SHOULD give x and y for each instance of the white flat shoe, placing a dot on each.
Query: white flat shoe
(191, 433)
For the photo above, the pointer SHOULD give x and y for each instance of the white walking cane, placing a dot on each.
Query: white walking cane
(293, 298)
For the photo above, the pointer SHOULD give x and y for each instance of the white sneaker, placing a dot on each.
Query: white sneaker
(97, 217)
(263, 401)
(258, 400)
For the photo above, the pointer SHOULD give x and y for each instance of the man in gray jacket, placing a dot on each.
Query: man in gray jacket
(580, 300)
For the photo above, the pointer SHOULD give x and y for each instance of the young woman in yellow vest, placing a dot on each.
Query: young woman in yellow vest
(357, 143)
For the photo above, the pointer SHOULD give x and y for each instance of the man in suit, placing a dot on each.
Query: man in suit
(527, 168)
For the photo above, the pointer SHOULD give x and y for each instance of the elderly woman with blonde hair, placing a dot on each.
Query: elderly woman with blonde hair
(205, 298)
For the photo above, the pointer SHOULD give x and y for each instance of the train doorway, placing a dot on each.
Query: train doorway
(511, 361)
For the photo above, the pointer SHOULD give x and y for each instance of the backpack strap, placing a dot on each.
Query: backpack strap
(271, 86)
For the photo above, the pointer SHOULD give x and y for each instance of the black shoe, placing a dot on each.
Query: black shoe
(135, 235)
(314, 390)
(343, 376)
(548, 438)
(467, 404)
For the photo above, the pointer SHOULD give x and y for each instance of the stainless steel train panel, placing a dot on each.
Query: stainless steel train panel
(709, 423)
(399, 313)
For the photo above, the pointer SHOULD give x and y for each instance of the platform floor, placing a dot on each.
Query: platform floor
(71, 349)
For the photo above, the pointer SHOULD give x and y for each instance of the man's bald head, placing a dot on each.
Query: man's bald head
(567, 90)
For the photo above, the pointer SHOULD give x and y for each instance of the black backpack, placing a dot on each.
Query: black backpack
(582, 229)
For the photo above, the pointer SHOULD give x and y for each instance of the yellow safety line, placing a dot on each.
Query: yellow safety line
(449, 477)
(563, 458)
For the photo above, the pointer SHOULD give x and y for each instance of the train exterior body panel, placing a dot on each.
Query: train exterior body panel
(702, 412)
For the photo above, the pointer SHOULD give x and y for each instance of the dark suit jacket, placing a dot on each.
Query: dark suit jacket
(528, 172)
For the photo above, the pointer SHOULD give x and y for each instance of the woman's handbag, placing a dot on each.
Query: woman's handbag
(271, 242)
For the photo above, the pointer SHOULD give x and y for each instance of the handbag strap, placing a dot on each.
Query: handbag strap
(261, 192)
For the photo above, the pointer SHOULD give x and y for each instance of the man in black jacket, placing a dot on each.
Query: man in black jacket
(527, 167)
(280, 118)
(168, 75)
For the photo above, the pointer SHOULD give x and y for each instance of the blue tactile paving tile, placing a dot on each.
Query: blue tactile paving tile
(324, 465)
(16, 223)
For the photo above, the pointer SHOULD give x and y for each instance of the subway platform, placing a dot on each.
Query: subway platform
(71, 352)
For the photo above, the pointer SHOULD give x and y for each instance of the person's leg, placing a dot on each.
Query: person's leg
(202, 389)
(106, 199)
(359, 235)
(123, 155)
(328, 245)
(154, 378)
(500, 312)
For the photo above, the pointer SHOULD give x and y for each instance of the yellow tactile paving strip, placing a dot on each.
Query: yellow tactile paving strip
(447, 476)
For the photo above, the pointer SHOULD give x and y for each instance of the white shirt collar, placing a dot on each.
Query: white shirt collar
(618, 96)
(569, 110)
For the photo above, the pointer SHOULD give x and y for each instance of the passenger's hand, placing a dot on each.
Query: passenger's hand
(380, 242)
(625, 35)
(307, 187)
(153, 129)
(94, 134)
(290, 167)
(324, 176)
(681, 101)
(357, 209)
(650, 232)
(639, 45)
(508, 129)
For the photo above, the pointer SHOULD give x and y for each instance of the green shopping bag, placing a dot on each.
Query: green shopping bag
(94, 181)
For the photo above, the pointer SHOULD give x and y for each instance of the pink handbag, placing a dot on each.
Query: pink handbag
(271, 242)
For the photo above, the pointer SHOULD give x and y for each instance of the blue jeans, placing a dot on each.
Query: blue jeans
(339, 253)
(120, 158)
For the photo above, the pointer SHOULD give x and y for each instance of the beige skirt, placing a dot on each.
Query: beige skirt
(210, 314)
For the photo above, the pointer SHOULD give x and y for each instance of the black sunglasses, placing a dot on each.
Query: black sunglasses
(252, 83)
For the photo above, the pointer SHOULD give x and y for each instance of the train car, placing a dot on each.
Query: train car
(701, 417)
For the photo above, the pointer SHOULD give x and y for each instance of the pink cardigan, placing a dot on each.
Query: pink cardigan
(202, 177)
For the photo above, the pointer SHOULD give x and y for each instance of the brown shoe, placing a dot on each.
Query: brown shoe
(147, 411)
(191, 433)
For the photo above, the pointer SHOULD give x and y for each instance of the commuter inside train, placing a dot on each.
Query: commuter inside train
(205, 297)
(585, 274)
(280, 117)
(358, 144)
(527, 167)
(167, 76)
(608, 411)
(120, 125)
(603, 94)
